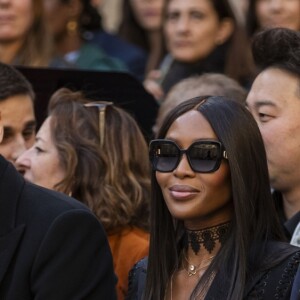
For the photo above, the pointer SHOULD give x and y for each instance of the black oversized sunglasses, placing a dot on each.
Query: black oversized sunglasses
(204, 156)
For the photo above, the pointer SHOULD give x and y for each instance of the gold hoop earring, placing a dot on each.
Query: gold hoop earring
(72, 27)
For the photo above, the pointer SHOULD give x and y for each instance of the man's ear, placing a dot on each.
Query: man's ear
(1, 129)
(225, 31)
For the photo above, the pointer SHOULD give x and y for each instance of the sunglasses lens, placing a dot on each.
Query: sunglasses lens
(164, 156)
(204, 157)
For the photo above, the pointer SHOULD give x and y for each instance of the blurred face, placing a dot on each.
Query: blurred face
(193, 29)
(278, 13)
(18, 126)
(57, 15)
(199, 199)
(16, 19)
(40, 164)
(148, 13)
(274, 101)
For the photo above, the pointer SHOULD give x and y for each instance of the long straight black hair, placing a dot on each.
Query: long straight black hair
(254, 219)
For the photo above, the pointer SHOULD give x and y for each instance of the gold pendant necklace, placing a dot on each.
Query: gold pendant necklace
(193, 269)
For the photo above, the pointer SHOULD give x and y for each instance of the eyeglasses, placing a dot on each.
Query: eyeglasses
(204, 156)
(101, 105)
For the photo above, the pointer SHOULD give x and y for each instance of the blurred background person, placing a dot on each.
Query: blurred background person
(131, 55)
(263, 14)
(240, 8)
(67, 21)
(202, 36)
(17, 113)
(97, 153)
(111, 10)
(141, 25)
(24, 39)
(212, 84)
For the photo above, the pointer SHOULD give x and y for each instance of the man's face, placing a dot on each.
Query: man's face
(18, 121)
(274, 101)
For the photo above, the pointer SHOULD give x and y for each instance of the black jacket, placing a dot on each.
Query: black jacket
(51, 246)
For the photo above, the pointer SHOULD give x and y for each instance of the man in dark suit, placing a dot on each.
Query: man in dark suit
(51, 246)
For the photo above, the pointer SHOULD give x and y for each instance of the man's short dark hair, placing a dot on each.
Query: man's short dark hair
(278, 48)
(13, 83)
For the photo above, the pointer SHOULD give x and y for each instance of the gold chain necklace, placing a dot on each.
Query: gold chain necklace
(193, 269)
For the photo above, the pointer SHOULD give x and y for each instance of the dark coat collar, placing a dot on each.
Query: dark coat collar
(289, 225)
(11, 185)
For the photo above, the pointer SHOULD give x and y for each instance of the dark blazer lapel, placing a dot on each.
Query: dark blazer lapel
(219, 287)
(8, 245)
(11, 185)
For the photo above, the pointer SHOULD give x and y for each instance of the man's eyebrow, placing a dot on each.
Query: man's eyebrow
(260, 103)
(30, 124)
(8, 129)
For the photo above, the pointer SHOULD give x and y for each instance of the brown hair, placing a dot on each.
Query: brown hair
(239, 64)
(131, 31)
(113, 180)
(36, 50)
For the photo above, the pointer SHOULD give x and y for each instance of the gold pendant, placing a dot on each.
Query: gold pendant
(192, 270)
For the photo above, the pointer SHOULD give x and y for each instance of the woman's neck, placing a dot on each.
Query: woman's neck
(206, 239)
(9, 51)
(68, 44)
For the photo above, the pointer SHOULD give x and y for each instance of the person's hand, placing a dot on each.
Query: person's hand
(152, 84)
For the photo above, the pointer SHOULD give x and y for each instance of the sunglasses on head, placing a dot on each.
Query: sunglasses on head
(204, 156)
(101, 105)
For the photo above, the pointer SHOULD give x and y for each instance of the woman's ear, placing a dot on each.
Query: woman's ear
(225, 31)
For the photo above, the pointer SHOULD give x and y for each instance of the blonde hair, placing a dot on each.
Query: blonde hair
(210, 84)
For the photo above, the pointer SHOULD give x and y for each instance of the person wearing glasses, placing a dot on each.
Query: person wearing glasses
(214, 232)
(96, 152)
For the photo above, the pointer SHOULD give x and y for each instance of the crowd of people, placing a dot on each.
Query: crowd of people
(207, 207)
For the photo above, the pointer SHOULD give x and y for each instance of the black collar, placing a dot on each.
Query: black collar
(289, 225)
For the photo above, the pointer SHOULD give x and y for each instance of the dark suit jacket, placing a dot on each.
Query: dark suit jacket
(51, 246)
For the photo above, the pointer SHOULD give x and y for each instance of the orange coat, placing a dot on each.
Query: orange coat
(128, 246)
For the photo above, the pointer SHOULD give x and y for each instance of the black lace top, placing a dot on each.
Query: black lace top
(276, 283)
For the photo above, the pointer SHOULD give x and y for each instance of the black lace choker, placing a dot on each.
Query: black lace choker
(207, 237)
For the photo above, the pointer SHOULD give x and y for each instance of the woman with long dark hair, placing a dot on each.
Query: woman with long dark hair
(214, 231)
